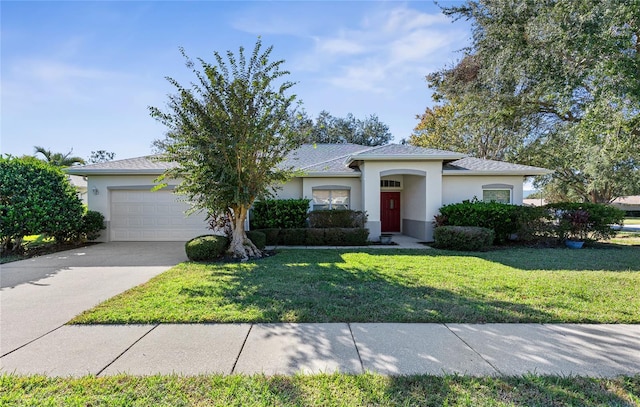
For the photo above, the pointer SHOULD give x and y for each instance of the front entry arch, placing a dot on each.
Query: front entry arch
(390, 211)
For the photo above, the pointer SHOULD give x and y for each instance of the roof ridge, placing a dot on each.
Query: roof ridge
(345, 156)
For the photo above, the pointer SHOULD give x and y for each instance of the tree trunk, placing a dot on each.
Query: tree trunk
(241, 247)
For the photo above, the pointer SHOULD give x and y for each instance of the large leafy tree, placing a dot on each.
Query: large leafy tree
(228, 132)
(369, 131)
(35, 198)
(58, 159)
(560, 79)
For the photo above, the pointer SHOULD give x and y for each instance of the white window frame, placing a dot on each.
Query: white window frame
(498, 187)
(331, 189)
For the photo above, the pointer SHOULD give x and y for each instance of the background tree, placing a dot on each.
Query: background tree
(329, 129)
(58, 159)
(101, 156)
(228, 132)
(36, 198)
(558, 81)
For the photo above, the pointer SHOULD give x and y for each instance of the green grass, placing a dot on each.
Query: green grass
(36, 245)
(632, 221)
(626, 238)
(319, 390)
(594, 285)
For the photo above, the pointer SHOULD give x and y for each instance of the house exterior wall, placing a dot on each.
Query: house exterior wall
(418, 206)
(354, 184)
(290, 190)
(457, 188)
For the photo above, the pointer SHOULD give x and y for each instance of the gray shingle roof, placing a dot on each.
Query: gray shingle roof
(332, 159)
(406, 151)
(138, 165)
(468, 165)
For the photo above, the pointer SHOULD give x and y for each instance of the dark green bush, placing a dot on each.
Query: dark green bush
(280, 214)
(354, 237)
(292, 237)
(315, 237)
(337, 218)
(503, 219)
(271, 235)
(318, 236)
(92, 224)
(334, 236)
(598, 222)
(258, 238)
(468, 238)
(36, 198)
(206, 248)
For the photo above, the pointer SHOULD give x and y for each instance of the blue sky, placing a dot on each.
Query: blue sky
(80, 75)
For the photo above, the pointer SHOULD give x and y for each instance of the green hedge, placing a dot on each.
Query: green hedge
(468, 238)
(316, 236)
(600, 217)
(206, 248)
(503, 219)
(337, 218)
(529, 223)
(280, 214)
(259, 239)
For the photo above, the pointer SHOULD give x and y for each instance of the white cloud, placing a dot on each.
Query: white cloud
(384, 47)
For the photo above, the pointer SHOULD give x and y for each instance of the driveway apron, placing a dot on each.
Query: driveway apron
(41, 294)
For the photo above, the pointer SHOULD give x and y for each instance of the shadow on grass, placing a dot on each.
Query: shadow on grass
(318, 286)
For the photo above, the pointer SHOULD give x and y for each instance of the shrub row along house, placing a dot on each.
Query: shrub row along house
(401, 188)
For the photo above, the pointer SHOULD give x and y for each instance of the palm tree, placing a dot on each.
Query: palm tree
(58, 159)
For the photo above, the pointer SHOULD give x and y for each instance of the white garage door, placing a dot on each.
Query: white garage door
(153, 216)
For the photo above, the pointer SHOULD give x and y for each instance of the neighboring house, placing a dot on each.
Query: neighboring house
(629, 203)
(401, 188)
(80, 184)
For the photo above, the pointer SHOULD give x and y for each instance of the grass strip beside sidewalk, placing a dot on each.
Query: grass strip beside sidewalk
(320, 390)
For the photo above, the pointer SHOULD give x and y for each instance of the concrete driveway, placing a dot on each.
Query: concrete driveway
(40, 295)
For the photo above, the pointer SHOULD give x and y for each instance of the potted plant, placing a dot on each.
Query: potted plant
(576, 225)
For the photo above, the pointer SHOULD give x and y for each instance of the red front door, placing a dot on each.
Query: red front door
(390, 211)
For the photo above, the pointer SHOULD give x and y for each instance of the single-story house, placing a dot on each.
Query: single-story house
(401, 188)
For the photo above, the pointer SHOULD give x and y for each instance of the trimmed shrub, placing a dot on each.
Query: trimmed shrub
(258, 238)
(292, 237)
(280, 213)
(503, 219)
(315, 237)
(92, 224)
(337, 218)
(468, 238)
(355, 237)
(206, 248)
(334, 236)
(272, 236)
(587, 221)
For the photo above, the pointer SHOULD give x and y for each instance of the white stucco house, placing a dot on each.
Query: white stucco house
(401, 188)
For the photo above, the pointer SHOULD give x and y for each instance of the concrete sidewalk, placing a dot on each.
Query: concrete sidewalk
(392, 349)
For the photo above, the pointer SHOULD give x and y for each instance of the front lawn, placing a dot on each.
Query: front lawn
(595, 285)
(320, 390)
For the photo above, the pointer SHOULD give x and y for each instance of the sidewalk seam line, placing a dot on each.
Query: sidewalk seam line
(353, 338)
(235, 363)
(474, 351)
(126, 350)
(32, 341)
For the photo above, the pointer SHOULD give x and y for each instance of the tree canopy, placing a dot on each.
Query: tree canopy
(228, 132)
(369, 131)
(548, 83)
(101, 156)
